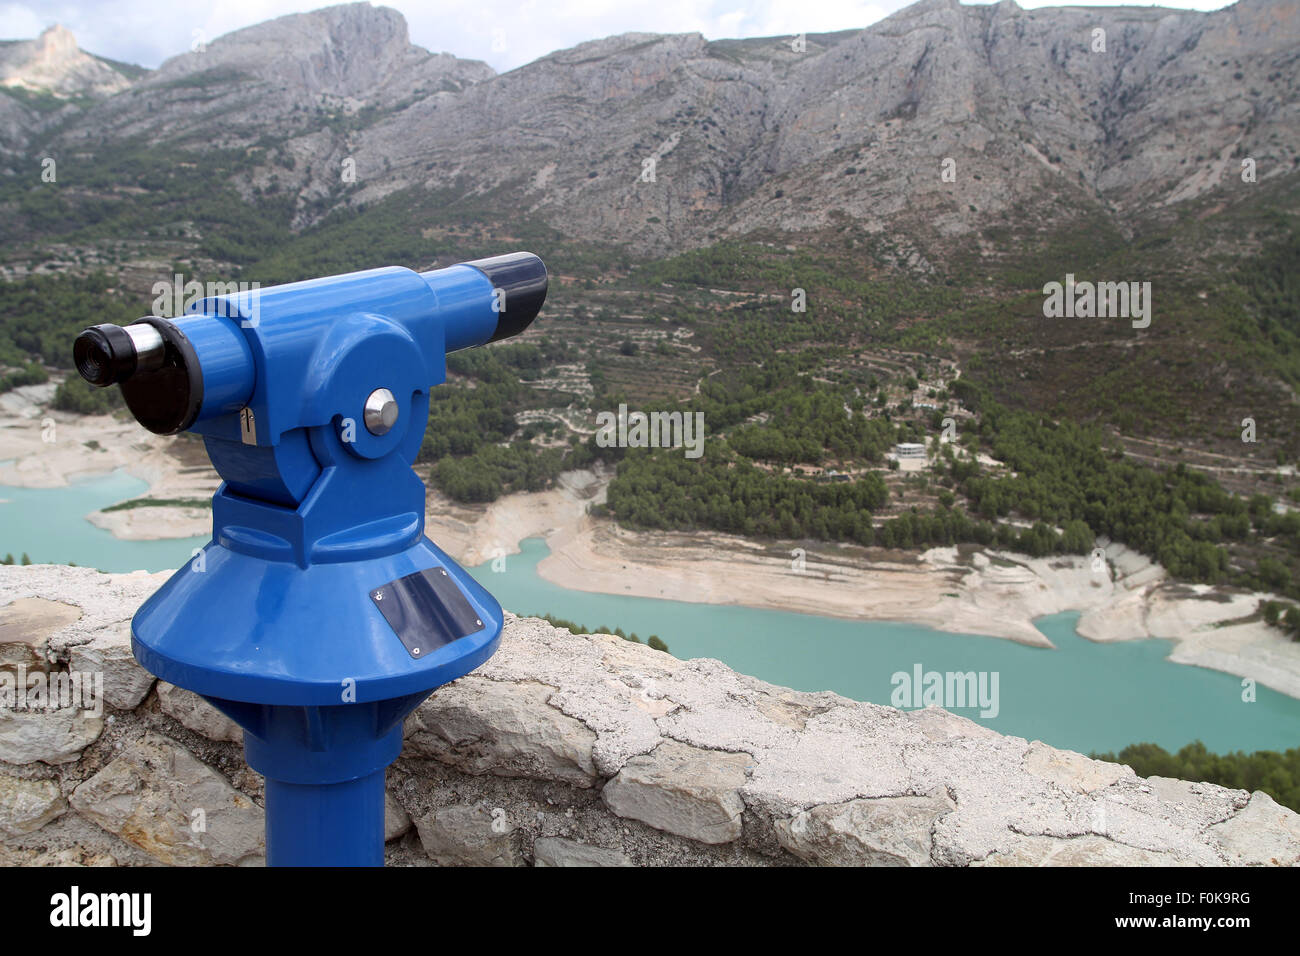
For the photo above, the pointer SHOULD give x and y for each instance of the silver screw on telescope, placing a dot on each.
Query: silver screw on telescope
(381, 412)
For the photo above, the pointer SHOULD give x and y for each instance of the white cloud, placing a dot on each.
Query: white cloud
(505, 33)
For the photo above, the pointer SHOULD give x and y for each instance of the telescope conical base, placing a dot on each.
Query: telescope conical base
(320, 665)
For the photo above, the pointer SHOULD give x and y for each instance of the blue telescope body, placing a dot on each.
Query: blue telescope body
(319, 615)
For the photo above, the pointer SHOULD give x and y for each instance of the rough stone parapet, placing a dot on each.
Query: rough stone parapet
(579, 750)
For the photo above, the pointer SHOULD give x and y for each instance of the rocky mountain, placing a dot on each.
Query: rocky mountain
(752, 134)
(932, 126)
(282, 78)
(48, 78)
(53, 63)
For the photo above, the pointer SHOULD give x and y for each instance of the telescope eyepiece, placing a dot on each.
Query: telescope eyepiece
(104, 355)
(153, 361)
(110, 354)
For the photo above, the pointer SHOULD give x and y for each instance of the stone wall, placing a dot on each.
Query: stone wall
(582, 749)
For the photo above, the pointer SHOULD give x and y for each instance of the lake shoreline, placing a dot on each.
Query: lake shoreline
(53, 449)
(963, 589)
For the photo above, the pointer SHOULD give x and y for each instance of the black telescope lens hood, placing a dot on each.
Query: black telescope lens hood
(165, 397)
(166, 400)
(522, 277)
(104, 355)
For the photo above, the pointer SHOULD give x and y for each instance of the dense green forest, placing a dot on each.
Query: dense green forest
(1179, 517)
(468, 438)
(1277, 774)
(1271, 281)
(1059, 475)
(43, 314)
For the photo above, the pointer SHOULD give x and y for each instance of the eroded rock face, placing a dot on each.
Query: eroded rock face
(557, 851)
(197, 714)
(161, 798)
(52, 737)
(1082, 851)
(578, 750)
(1071, 770)
(126, 683)
(53, 62)
(470, 835)
(1030, 108)
(685, 790)
(1263, 834)
(90, 633)
(27, 805)
(486, 726)
(397, 822)
(887, 831)
(25, 628)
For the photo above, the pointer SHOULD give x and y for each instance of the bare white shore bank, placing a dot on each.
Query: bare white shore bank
(961, 590)
(43, 448)
(957, 590)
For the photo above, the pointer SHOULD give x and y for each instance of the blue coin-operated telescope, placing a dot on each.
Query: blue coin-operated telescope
(319, 615)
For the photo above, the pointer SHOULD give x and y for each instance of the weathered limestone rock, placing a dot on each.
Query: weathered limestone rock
(507, 729)
(161, 798)
(396, 820)
(1263, 834)
(25, 628)
(52, 737)
(886, 831)
(684, 790)
(469, 835)
(27, 805)
(1080, 851)
(197, 714)
(610, 685)
(96, 639)
(126, 683)
(69, 856)
(1070, 770)
(557, 851)
(104, 600)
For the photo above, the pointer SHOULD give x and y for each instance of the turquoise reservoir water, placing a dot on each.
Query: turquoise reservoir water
(1081, 696)
(50, 525)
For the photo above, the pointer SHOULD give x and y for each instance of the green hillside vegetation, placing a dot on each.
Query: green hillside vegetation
(41, 315)
(468, 440)
(1277, 774)
(1060, 477)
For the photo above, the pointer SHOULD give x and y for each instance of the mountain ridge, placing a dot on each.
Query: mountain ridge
(747, 135)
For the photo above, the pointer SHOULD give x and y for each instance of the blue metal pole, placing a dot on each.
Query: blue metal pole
(324, 770)
(332, 824)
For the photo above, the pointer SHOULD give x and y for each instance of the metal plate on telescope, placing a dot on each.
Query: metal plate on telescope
(426, 610)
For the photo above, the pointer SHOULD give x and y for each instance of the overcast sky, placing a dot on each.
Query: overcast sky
(505, 33)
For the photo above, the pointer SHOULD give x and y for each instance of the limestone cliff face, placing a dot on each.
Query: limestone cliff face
(44, 82)
(1047, 116)
(344, 51)
(288, 78)
(53, 62)
(568, 750)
